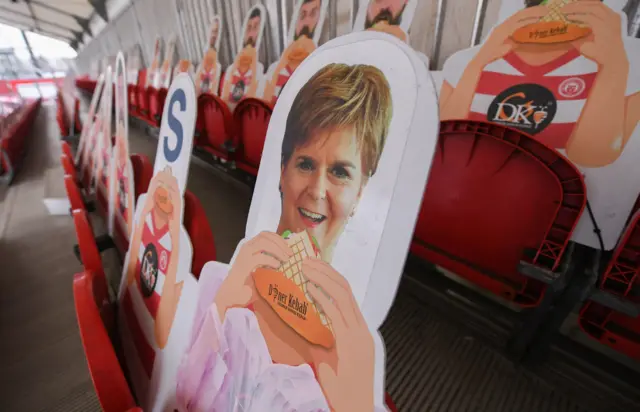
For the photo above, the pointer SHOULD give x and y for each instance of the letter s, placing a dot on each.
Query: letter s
(175, 125)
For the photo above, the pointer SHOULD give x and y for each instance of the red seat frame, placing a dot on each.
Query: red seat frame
(494, 197)
(252, 118)
(218, 129)
(621, 278)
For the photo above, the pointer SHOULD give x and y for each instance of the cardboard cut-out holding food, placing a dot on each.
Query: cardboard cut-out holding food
(158, 263)
(183, 66)
(134, 64)
(101, 152)
(153, 75)
(121, 187)
(307, 22)
(167, 65)
(565, 72)
(87, 138)
(292, 320)
(208, 74)
(393, 17)
(244, 75)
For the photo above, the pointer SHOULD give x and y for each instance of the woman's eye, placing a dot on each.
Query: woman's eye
(305, 165)
(340, 172)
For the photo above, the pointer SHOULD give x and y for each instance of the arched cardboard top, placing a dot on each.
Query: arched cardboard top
(390, 16)
(176, 129)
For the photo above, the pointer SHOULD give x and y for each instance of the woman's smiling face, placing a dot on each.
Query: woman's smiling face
(321, 185)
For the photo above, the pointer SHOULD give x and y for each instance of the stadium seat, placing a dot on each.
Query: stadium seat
(621, 279)
(494, 198)
(154, 111)
(143, 102)
(95, 322)
(196, 224)
(251, 117)
(218, 128)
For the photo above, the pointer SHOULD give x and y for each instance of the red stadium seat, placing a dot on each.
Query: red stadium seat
(66, 149)
(95, 316)
(496, 197)
(218, 128)
(196, 224)
(251, 117)
(143, 102)
(68, 167)
(622, 279)
(156, 99)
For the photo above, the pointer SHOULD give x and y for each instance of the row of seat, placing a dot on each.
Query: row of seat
(516, 204)
(14, 132)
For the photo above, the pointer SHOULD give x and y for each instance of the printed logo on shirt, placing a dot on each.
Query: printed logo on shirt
(572, 87)
(527, 107)
(149, 270)
(238, 91)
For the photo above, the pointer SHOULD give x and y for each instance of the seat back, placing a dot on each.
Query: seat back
(73, 192)
(197, 226)
(495, 197)
(66, 149)
(252, 118)
(109, 381)
(218, 121)
(621, 331)
(67, 165)
(142, 173)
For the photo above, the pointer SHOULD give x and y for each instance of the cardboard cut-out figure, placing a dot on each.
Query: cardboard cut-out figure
(565, 72)
(134, 63)
(387, 16)
(208, 73)
(290, 323)
(87, 136)
(102, 156)
(167, 65)
(121, 187)
(153, 75)
(158, 263)
(244, 75)
(183, 66)
(306, 28)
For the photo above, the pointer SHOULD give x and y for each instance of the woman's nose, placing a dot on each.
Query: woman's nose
(318, 187)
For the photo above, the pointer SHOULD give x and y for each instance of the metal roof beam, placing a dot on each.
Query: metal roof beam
(35, 21)
(100, 7)
(33, 15)
(26, 26)
(55, 9)
(84, 23)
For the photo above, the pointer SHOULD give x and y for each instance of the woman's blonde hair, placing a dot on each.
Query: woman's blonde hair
(340, 95)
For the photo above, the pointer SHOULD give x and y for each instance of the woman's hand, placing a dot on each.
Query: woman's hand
(346, 371)
(238, 289)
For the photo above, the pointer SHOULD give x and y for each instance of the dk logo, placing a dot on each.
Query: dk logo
(527, 107)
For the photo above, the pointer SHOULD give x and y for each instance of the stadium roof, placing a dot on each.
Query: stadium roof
(67, 20)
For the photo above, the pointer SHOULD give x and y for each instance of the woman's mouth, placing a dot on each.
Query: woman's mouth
(311, 218)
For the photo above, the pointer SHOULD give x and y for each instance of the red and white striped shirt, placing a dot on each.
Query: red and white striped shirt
(568, 79)
(239, 85)
(142, 298)
(283, 78)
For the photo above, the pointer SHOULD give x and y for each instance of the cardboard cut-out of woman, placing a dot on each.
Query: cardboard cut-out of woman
(343, 171)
